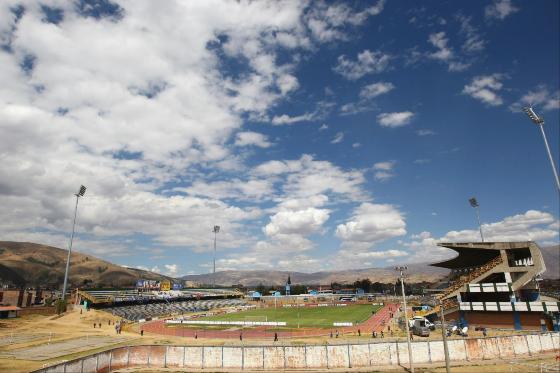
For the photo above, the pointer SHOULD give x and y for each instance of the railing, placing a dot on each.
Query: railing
(463, 280)
(450, 303)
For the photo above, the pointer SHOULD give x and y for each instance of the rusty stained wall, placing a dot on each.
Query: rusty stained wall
(309, 357)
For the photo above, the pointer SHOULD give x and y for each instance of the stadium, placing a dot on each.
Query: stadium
(279, 186)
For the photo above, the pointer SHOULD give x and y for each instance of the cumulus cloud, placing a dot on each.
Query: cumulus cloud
(376, 89)
(532, 225)
(485, 88)
(445, 53)
(90, 97)
(171, 269)
(327, 22)
(252, 138)
(500, 9)
(474, 43)
(367, 62)
(539, 96)
(393, 120)
(300, 222)
(371, 223)
(366, 98)
(384, 170)
(286, 119)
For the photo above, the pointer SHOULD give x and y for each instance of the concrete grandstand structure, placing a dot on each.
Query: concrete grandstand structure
(495, 284)
(123, 296)
(142, 312)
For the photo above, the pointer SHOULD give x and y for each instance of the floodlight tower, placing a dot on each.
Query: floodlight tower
(475, 205)
(80, 193)
(216, 230)
(401, 271)
(539, 121)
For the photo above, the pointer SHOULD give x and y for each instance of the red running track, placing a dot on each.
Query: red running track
(376, 322)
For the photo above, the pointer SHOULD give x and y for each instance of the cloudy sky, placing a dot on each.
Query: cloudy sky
(317, 135)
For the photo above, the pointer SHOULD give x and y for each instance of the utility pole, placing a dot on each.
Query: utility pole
(444, 335)
(401, 270)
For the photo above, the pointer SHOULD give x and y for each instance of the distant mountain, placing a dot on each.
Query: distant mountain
(30, 264)
(416, 273)
(551, 255)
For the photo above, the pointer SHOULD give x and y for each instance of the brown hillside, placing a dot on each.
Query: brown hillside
(30, 264)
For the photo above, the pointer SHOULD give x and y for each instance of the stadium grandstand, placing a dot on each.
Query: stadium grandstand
(496, 285)
(127, 296)
(141, 312)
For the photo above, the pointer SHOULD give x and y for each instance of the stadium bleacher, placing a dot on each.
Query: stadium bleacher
(149, 311)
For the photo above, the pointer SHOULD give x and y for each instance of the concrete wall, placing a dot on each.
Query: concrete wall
(312, 357)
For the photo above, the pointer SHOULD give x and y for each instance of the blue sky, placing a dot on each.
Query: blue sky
(318, 135)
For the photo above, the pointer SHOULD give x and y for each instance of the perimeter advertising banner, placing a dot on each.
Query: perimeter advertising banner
(148, 284)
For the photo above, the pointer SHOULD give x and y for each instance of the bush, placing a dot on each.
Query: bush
(60, 305)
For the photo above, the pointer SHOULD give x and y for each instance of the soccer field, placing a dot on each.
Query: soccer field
(321, 317)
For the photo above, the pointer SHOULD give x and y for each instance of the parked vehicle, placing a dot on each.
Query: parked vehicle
(420, 327)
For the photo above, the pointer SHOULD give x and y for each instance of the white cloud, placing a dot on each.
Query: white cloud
(474, 43)
(485, 88)
(323, 127)
(286, 119)
(371, 223)
(367, 94)
(171, 269)
(500, 9)
(327, 22)
(301, 222)
(367, 62)
(129, 106)
(445, 53)
(541, 97)
(531, 226)
(394, 120)
(252, 138)
(356, 145)
(375, 89)
(384, 170)
(338, 138)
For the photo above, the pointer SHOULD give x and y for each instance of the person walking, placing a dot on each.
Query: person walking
(275, 337)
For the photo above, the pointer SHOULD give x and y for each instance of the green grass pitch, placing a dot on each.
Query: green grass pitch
(317, 317)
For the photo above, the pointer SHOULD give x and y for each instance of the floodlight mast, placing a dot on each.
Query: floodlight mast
(475, 205)
(401, 271)
(539, 121)
(216, 230)
(80, 193)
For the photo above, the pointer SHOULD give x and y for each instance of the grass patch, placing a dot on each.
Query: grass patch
(316, 317)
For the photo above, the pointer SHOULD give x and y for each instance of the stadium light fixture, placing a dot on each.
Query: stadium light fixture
(475, 205)
(216, 230)
(401, 270)
(539, 121)
(80, 193)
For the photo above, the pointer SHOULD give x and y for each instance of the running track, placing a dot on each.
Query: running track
(376, 322)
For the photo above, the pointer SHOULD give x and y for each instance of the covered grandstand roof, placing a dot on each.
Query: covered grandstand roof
(473, 254)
